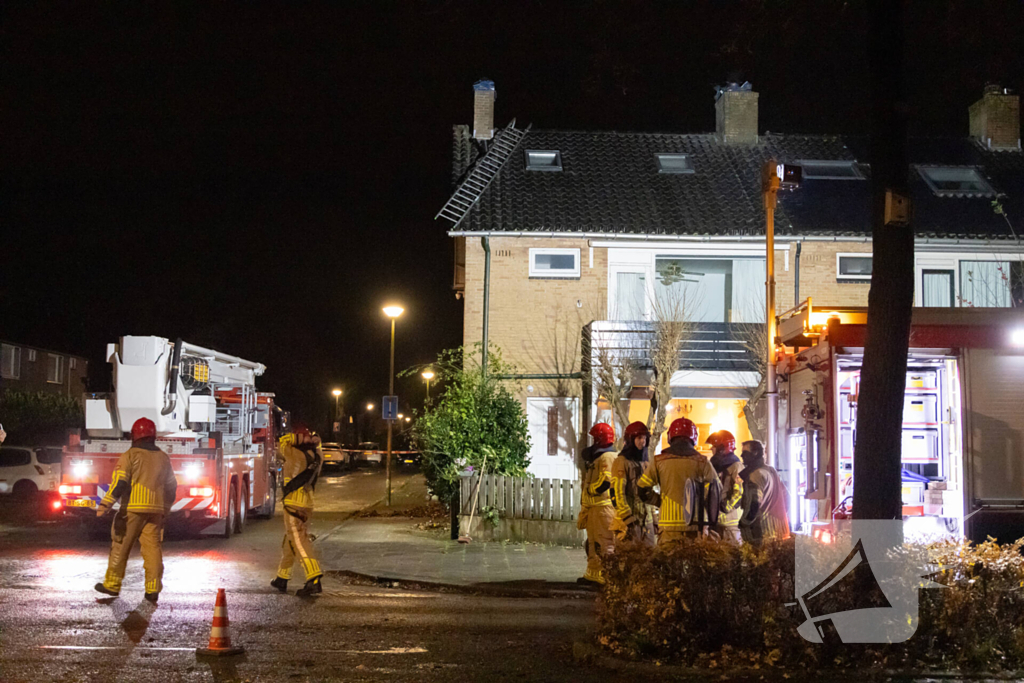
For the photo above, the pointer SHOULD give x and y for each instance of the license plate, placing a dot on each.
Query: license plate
(409, 461)
(81, 503)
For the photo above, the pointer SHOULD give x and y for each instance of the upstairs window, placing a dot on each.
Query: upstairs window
(54, 368)
(555, 263)
(674, 163)
(955, 180)
(853, 266)
(10, 361)
(543, 160)
(816, 169)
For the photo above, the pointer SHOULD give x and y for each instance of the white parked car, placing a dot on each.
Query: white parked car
(334, 455)
(25, 471)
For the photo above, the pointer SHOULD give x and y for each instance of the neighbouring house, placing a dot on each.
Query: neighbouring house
(29, 368)
(590, 233)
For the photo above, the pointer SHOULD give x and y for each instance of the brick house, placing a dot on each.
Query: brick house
(589, 230)
(29, 368)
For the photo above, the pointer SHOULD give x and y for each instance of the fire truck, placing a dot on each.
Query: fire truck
(220, 433)
(963, 419)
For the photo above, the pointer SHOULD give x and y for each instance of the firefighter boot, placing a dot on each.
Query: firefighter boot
(152, 597)
(106, 591)
(280, 584)
(312, 587)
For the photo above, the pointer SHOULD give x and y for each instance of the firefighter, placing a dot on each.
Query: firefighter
(301, 469)
(728, 465)
(144, 484)
(690, 489)
(596, 511)
(764, 498)
(632, 519)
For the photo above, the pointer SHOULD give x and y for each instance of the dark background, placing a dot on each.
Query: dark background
(261, 179)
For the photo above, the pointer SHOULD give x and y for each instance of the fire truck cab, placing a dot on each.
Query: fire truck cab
(963, 419)
(220, 433)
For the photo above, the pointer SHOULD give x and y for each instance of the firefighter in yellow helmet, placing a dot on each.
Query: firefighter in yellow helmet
(690, 489)
(728, 465)
(302, 462)
(596, 511)
(144, 484)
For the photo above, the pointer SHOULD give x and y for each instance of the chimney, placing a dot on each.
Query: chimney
(483, 109)
(995, 119)
(736, 114)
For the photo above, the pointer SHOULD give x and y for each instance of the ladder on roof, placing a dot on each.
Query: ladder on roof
(484, 171)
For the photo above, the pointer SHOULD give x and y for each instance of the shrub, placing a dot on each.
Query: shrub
(36, 419)
(706, 603)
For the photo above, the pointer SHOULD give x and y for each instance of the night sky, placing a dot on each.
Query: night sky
(263, 178)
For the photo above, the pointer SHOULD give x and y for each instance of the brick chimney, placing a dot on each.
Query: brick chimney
(995, 119)
(736, 114)
(483, 109)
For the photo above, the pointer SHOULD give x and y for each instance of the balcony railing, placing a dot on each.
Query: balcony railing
(705, 346)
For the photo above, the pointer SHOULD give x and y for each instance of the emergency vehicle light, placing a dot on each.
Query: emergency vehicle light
(79, 470)
(1017, 337)
(66, 489)
(202, 492)
(193, 470)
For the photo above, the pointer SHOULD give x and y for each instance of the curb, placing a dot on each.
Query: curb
(490, 590)
(586, 652)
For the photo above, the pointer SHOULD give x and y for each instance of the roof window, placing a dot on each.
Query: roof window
(674, 163)
(955, 180)
(822, 169)
(543, 160)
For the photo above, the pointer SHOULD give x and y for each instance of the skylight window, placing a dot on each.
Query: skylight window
(955, 180)
(543, 160)
(674, 163)
(819, 169)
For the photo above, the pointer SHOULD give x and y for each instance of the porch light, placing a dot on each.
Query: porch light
(1017, 337)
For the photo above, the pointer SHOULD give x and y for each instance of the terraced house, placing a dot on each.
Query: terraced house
(587, 234)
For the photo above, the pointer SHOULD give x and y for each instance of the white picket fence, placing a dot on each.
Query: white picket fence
(523, 497)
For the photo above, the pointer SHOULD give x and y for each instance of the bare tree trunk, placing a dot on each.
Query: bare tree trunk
(877, 490)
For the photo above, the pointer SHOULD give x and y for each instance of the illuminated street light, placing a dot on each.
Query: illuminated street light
(337, 417)
(336, 392)
(428, 375)
(408, 419)
(369, 406)
(400, 416)
(392, 312)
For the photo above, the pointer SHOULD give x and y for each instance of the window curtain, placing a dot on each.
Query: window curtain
(630, 295)
(985, 284)
(936, 290)
(748, 290)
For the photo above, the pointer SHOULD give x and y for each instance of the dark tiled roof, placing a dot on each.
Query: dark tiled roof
(610, 184)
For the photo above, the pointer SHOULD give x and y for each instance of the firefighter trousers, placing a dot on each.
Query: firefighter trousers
(148, 530)
(600, 540)
(297, 544)
(675, 535)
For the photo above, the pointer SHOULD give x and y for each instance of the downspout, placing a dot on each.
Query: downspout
(487, 300)
(796, 286)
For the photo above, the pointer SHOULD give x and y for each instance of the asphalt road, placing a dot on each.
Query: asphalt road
(53, 627)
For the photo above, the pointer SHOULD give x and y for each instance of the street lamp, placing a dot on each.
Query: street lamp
(335, 421)
(369, 406)
(428, 375)
(392, 312)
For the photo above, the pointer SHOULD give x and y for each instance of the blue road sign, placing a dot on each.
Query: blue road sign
(389, 410)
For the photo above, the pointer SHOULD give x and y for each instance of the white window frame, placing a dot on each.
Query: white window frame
(50, 359)
(560, 274)
(854, 254)
(922, 170)
(687, 160)
(852, 165)
(14, 372)
(557, 166)
(72, 363)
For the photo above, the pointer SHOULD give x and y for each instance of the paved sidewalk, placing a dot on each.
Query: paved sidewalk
(393, 547)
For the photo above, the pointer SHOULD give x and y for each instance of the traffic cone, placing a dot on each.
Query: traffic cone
(220, 633)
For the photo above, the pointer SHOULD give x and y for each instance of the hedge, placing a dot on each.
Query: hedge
(710, 604)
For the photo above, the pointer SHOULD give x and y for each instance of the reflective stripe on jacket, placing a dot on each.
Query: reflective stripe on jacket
(679, 470)
(146, 477)
(296, 461)
(597, 477)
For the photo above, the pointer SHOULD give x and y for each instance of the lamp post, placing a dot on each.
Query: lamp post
(335, 422)
(392, 312)
(428, 375)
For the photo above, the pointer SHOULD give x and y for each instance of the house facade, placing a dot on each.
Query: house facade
(31, 369)
(592, 234)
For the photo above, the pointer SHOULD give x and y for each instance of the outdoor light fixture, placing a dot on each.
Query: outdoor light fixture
(336, 393)
(393, 311)
(408, 419)
(400, 416)
(1017, 337)
(369, 406)
(710, 405)
(428, 375)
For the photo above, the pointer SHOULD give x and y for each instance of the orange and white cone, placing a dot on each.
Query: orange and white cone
(220, 632)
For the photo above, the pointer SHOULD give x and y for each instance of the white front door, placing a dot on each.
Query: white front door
(553, 435)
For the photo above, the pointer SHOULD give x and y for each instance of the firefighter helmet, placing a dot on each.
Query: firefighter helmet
(603, 433)
(682, 428)
(143, 428)
(722, 440)
(636, 429)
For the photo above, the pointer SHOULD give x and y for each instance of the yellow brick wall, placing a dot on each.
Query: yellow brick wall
(818, 276)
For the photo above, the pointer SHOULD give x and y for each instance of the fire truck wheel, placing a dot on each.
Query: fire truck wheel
(229, 513)
(271, 504)
(243, 504)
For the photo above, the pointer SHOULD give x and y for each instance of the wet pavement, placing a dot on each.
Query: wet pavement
(53, 627)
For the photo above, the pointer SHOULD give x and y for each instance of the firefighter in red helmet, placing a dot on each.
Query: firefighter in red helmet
(728, 466)
(596, 511)
(690, 489)
(632, 518)
(144, 485)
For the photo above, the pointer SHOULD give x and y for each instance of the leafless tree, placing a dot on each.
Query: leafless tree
(614, 370)
(755, 340)
(670, 327)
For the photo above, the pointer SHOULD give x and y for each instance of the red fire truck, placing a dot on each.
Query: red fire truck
(963, 419)
(220, 433)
